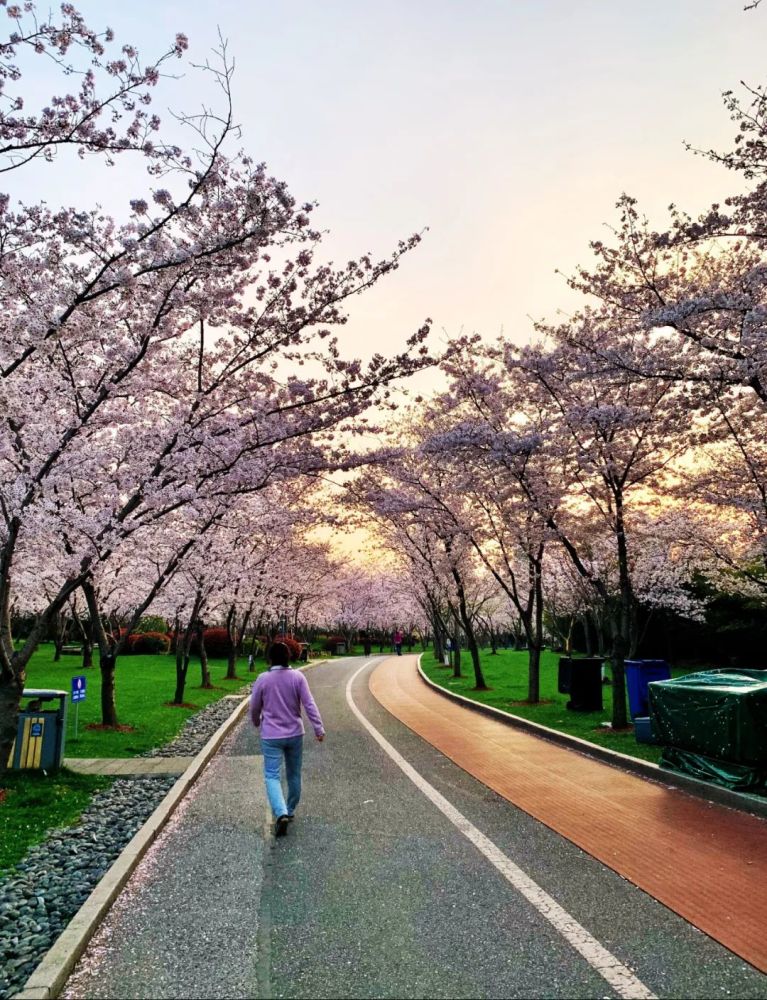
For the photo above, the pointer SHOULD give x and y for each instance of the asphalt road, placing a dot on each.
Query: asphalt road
(374, 892)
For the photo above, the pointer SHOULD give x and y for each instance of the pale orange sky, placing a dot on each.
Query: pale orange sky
(508, 127)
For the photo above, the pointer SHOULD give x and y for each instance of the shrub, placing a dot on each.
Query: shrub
(152, 623)
(148, 642)
(217, 643)
(294, 646)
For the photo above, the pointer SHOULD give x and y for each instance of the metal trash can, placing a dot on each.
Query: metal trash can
(582, 680)
(639, 673)
(39, 743)
(340, 648)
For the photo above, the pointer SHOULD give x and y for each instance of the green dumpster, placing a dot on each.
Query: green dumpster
(713, 725)
(41, 730)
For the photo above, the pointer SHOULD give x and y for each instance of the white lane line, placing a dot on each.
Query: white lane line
(621, 978)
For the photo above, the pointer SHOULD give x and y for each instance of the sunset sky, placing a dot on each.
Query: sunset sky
(508, 129)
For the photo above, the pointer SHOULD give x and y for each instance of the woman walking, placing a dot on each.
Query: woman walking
(275, 706)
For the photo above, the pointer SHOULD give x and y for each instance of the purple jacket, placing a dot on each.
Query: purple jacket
(275, 704)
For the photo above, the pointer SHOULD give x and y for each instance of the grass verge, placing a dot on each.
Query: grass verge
(33, 803)
(143, 685)
(506, 675)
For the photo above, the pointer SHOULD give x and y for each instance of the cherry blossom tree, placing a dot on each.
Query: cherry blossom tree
(400, 495)
(614, 439)
(502, 493)
(695, 290)
(153, 363)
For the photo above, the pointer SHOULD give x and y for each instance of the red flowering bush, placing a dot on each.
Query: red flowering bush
(148, 642)
(218, 645)
(294, 646)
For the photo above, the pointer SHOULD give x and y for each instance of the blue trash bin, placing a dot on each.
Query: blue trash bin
(639, 673)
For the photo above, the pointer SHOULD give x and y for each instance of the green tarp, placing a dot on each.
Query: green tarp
(713, 725)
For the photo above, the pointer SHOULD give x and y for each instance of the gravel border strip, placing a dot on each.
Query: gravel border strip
(53, 971)
(741, 801)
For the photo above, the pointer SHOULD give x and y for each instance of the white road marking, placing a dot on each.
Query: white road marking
(621, 978)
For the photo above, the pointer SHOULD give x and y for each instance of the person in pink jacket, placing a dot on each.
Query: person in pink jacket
(275, 707)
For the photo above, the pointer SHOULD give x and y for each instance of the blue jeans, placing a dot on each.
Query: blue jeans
(292, 748)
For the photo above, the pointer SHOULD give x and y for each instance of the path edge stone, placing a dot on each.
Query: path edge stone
(644, 768)
(48, 979)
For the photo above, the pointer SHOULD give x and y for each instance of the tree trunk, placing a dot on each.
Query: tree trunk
(60, 636)
(86, 637)
(231, 664)
(622, 626)
(108, 705)
(108, 653)
(493, 640)
(231, 660)
(183, 646)
(479, 677)
(243, 630)
(588, 634)
(468, 627)
(456, 651)
(87, 652)
(535, 637)
(205, 681)
(439, 651)
(11, 689)
(534, 674)
(182, 665)
(617, 661)
(633, 630)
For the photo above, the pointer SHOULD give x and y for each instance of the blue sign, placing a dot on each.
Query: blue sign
(78, 688)
(36, 729)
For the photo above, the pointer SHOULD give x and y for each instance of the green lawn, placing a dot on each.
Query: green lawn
(31, 803)
(143, 685)
(506, 675)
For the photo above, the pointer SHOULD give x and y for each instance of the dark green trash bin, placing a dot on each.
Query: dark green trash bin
(713, 725)
(41, 730)
(581, 678)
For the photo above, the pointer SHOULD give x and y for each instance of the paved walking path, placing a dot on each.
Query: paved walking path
(403, 876)
(706, 862)
(128, 765)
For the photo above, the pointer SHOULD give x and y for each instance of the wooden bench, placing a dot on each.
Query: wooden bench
(71, 650)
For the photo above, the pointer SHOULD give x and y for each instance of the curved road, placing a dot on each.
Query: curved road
(389, 884)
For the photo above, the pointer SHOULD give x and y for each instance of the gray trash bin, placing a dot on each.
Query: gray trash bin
(340, 648)
(39, 743)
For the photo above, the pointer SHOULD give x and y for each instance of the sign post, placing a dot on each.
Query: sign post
(78, 695)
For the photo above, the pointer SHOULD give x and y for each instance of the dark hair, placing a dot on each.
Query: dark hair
(279, 654)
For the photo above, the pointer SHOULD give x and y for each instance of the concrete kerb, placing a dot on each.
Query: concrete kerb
(56, 965)
(644, 768)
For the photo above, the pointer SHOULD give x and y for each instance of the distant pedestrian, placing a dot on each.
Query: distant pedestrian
(275, 706)
(398, 637)
(250, 663)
